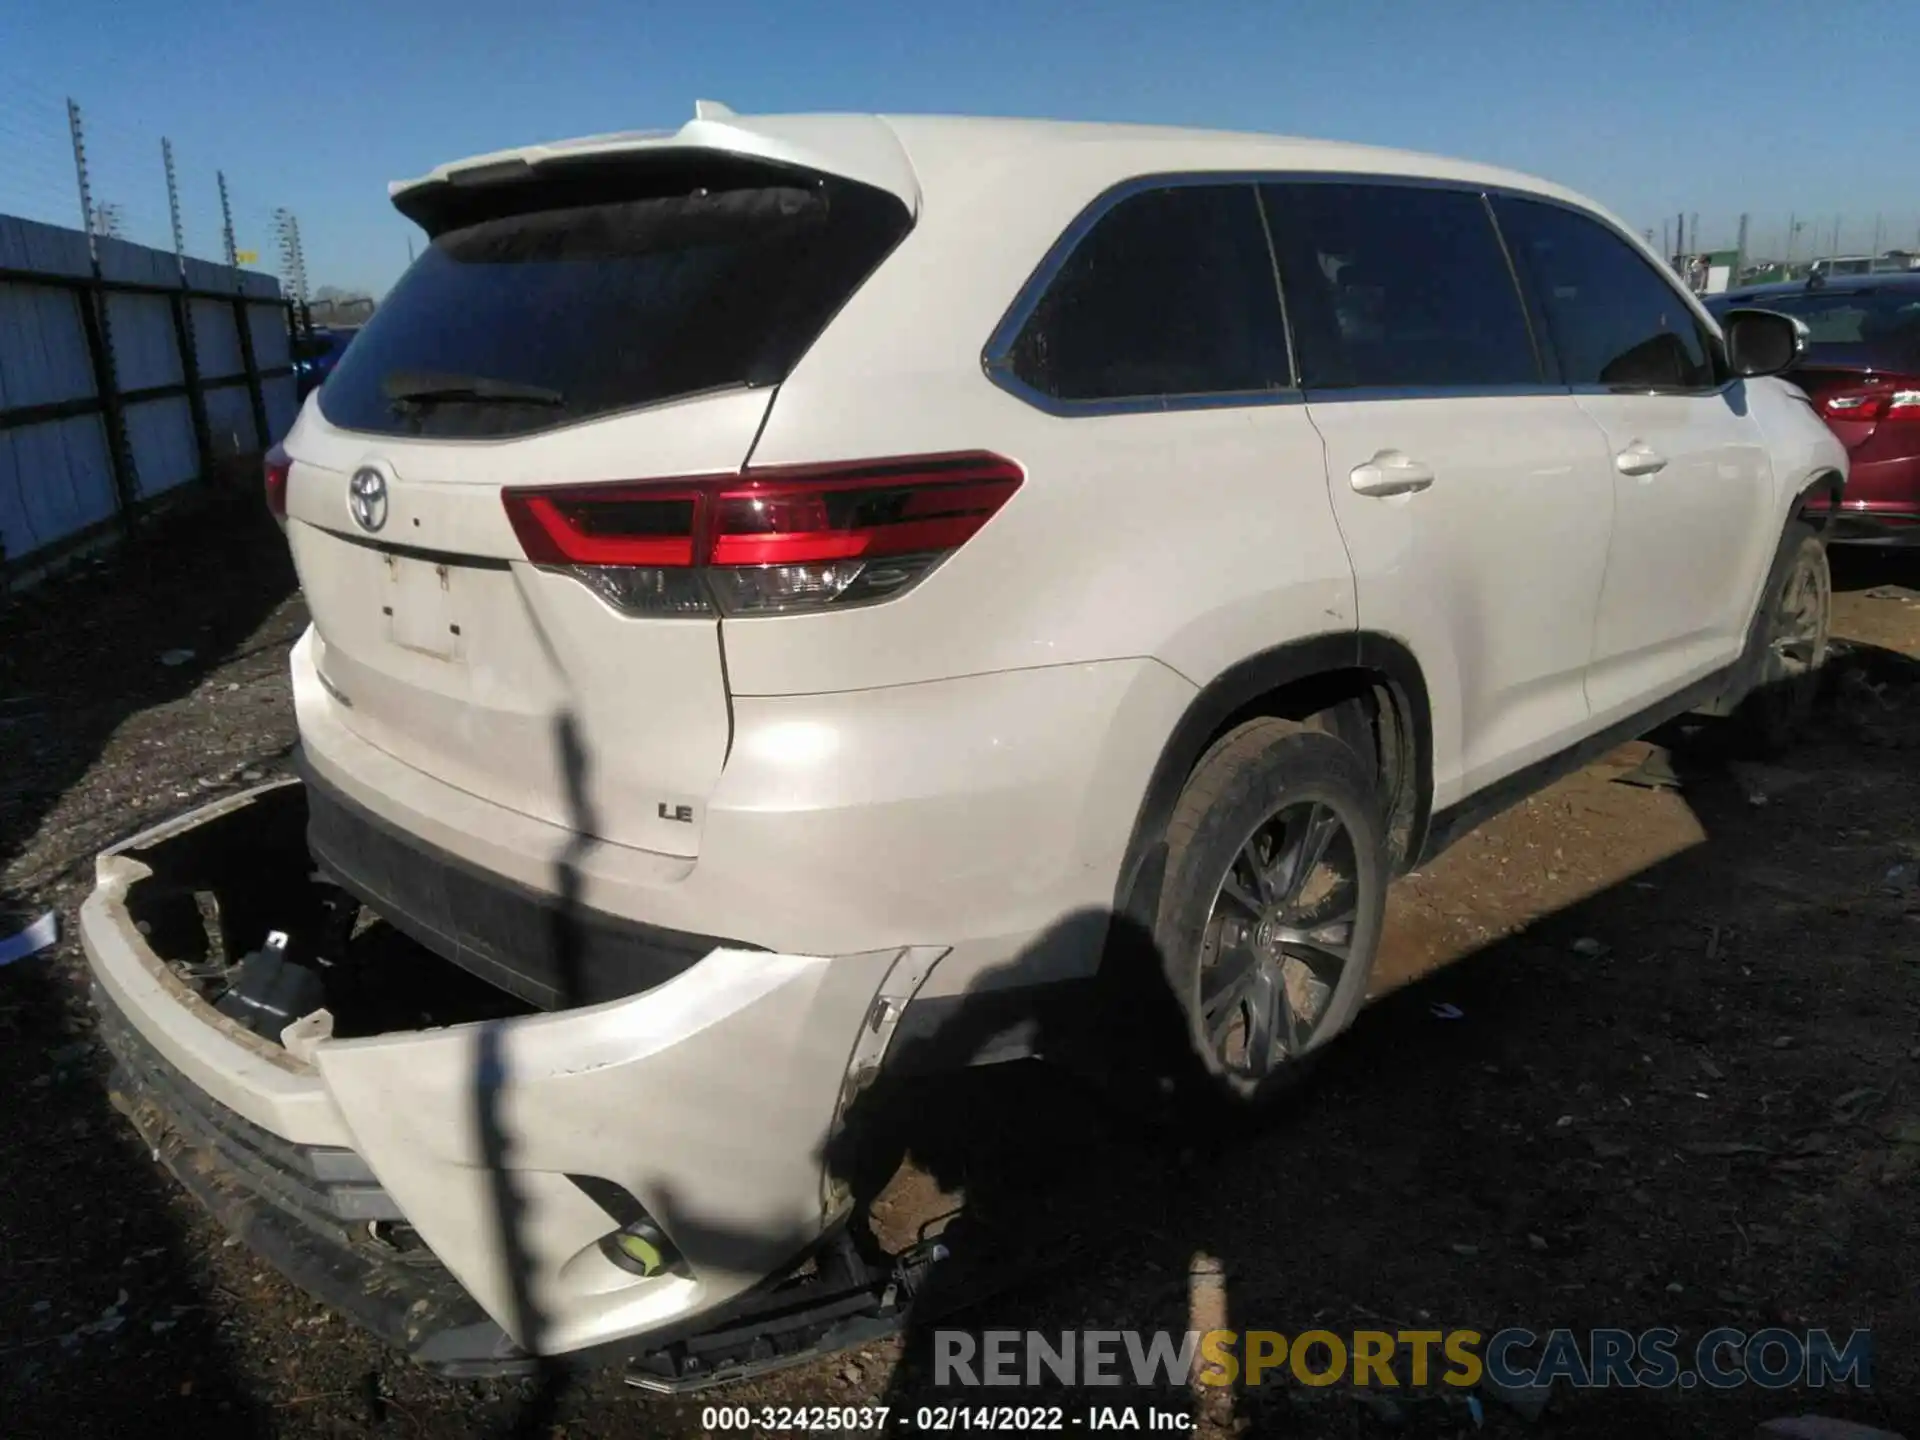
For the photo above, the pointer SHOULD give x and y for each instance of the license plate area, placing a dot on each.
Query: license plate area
(421, 607)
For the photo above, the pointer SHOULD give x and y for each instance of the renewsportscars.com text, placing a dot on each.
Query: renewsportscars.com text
(1386, 1359)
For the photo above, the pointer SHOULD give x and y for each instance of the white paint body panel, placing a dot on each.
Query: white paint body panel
(481, 709)
(1688, 539)
(606, 1091)
(1490, 575)
(972, 813)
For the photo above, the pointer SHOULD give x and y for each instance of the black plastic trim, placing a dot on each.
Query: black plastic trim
(506, 933)
(618, 1202)
(1458, 819)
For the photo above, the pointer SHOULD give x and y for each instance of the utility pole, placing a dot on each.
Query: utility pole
(183, 326)
(96, 320)
(87, 219)
(1666, 244)
(1740, 250)
(1680, 226)
(226, 221)
(173, 206)
(293, 261)
(1793, 232)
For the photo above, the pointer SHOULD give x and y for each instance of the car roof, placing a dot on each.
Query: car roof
(901, 153)
(1833, 285)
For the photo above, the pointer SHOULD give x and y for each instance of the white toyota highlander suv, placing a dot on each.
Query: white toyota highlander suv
(778, 582)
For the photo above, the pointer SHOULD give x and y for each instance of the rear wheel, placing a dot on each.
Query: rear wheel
(1271, 912)
(1789, 644)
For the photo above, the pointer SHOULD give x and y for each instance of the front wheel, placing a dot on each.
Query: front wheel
(1271, 914)
(1788, 645)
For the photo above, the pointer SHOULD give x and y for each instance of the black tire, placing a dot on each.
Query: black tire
(1786, 646)
(1260, 785)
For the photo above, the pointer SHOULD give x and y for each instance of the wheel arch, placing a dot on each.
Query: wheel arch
(1824, 486)
(1369, 684)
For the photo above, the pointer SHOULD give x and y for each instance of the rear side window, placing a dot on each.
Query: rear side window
(1170, 294)
(1613, 320)
(1398, 285)
(535, 316)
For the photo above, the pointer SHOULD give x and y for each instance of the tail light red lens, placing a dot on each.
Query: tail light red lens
(1891, 397)
(277, 467)
(773, 540)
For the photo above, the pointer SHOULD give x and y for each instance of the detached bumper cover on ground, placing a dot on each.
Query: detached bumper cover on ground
(707, 1100)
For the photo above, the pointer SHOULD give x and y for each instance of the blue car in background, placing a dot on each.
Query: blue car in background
(316, 353)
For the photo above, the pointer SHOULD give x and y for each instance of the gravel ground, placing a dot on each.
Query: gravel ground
(1639, 1057)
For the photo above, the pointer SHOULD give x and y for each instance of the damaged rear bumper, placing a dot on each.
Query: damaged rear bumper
(511, 1148)
(315, 1213)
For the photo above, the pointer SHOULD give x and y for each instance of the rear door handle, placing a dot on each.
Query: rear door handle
(1390, 473)
(1639, 459)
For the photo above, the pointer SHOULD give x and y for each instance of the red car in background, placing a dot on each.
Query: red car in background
(1862, 372)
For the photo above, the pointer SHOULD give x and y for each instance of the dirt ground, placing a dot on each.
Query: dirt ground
(1640, 1057)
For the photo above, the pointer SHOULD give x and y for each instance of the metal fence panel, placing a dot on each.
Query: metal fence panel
(43, 351)
(107, 376)
(55, 482)
(160, 433)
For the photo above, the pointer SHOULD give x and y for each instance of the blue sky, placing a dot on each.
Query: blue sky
(1707, 106)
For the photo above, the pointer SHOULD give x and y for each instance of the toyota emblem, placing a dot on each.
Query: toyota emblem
(367, 499)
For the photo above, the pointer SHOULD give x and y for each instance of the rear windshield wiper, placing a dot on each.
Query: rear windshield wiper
(419, 387)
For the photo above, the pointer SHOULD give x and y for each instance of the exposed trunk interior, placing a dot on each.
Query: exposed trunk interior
(220, 888)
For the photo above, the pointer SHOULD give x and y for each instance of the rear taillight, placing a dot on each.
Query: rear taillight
(769, 541)
(1890, 397)
(276, 482)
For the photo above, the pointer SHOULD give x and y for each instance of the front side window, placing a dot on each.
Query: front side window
(1613, 320)
(1170, 294)
(1397, 285)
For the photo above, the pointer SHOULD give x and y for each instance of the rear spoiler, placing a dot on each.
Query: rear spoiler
(861, 148)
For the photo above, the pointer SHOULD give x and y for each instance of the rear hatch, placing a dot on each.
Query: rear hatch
(602, 316)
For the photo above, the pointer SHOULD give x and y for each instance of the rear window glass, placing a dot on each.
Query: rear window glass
(546, 316)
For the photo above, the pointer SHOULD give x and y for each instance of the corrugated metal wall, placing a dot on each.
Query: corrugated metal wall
(57, 475)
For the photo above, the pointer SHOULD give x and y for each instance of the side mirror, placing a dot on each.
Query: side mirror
(1762, 342)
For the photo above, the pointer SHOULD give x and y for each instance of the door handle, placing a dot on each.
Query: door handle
(1390, 473)
(1639, 459)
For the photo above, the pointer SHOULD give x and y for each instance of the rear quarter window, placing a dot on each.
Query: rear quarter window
(1170, 294)
(611, 301)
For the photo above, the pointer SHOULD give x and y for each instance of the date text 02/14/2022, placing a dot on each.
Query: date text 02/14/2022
(940, 1419)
